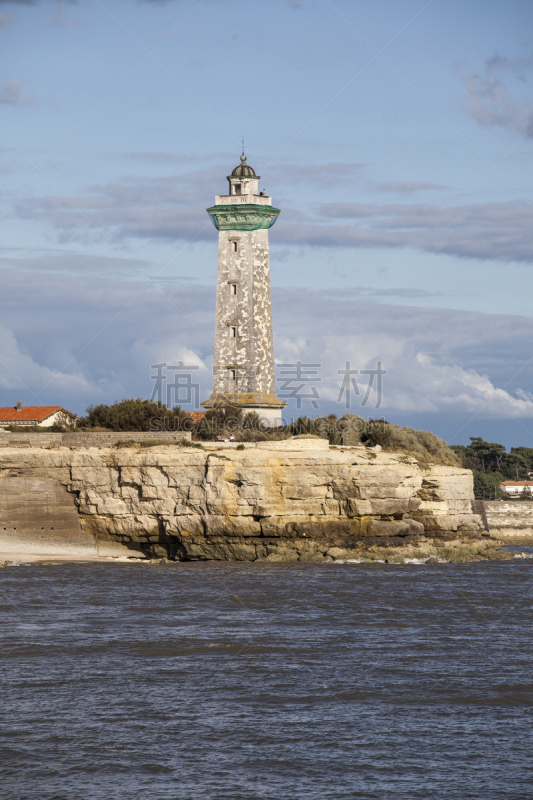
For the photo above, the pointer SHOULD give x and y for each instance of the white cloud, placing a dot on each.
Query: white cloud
(320, 175)
(11, 93)
(498, 96)
(472, 391)
(105, 336)
(501, 231)
(172, 208)
(431, 356)
(18, 370)
(414, 382)
(408, 186)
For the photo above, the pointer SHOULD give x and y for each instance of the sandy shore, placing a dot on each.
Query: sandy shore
(33, 558)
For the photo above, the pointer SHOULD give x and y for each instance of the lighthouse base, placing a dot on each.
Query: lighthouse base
(268, 416)
(268, 407)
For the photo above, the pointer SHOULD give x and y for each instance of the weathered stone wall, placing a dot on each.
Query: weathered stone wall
(83, 439)
(511, 521)
(264, 504)
(249, 310)
(37, 515)
(295, 444)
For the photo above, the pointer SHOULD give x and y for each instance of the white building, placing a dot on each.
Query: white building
(516, 488)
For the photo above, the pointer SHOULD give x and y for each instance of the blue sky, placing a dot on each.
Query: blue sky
(396, 138)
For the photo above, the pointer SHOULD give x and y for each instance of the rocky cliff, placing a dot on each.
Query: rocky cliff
(287, 501)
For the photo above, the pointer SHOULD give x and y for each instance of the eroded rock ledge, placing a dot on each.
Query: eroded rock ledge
(267, 504)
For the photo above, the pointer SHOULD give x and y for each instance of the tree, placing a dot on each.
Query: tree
(487, 485)
(518, 462)
(481, 455)
(525, 494)
(252, 422)
(225, 415)
(488, 455)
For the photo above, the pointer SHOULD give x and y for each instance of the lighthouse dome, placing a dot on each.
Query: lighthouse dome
(243, 170)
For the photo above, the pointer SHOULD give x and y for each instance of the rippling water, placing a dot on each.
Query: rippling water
(238, 681)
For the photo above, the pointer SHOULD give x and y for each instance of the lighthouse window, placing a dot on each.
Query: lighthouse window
(237, 188)
(233, 374)
(233, 332)
(234, 246)
(233, 288)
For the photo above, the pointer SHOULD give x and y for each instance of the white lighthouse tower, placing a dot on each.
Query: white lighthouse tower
(243, 371)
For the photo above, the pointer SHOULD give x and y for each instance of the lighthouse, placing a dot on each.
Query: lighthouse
(243, 369)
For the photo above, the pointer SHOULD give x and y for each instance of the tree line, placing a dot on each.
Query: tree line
(492, 464)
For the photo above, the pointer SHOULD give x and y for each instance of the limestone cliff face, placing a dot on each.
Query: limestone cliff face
(271, 504)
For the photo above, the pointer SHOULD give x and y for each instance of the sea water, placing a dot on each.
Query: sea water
(270, 681)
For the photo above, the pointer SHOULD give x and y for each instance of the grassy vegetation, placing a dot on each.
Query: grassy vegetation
(157, 443)
(424, 446)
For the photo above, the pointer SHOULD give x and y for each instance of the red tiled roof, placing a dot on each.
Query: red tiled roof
(517, 483)
(197, 415)
(30, 413)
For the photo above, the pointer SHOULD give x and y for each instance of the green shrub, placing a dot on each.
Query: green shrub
(352, 430)
(133, 415)
(349, 430)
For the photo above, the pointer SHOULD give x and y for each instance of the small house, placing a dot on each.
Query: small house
(516, 488)
(42, 416)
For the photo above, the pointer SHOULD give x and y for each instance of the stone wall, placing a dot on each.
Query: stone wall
(249, 310)
(38, 515)
(84, 439)
(512, 521)
(259, 504)
(295, 444)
